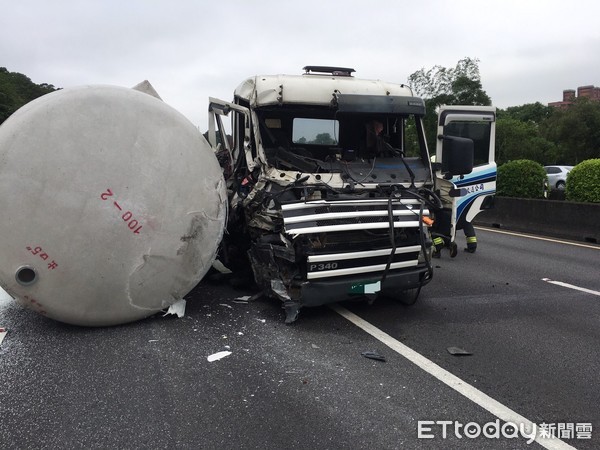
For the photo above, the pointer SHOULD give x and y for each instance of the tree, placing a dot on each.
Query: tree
(16, 90)
(530, 112)
(460, 85)
(575, 130)
(516, 139)
(439, 85)
(323, 139)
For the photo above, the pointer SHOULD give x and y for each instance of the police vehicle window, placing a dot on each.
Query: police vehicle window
(479, 132)
(315, 131)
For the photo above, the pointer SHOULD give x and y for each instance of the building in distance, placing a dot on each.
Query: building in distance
(590, 91)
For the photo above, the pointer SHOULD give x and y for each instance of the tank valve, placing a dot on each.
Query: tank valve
(26, 275)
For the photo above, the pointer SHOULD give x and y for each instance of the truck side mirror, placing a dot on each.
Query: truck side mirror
(457, 155)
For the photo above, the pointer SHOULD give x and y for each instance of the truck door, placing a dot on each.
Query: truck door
(241, 146)
(464, 196)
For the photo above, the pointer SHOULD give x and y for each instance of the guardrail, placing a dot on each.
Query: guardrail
(562, 219)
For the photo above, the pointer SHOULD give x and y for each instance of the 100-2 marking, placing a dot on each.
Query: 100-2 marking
(127, 216)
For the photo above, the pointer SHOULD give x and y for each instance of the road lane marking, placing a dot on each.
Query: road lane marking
(571, 286)
(530, 236)
(475, 395)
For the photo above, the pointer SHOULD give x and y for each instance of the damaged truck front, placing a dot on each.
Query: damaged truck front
(331, 190)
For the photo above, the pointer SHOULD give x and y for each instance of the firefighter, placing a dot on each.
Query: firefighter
(439, 242)
(471, 237)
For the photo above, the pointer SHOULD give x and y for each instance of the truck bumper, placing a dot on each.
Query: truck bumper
(317, 293)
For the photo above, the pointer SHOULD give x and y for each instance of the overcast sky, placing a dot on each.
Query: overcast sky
(529, 50)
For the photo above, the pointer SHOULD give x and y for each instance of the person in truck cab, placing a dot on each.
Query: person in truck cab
(373, 144)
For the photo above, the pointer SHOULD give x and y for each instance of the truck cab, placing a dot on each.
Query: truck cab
(332, 194)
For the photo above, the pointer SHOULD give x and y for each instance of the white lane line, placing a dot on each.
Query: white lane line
(571, 286)
(475, 395)
(530, 236)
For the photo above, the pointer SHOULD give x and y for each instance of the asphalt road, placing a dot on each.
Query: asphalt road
(149, 384)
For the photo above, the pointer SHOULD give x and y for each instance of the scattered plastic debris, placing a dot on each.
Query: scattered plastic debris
(218, 265)
(457, 351)
(3, 332)
(5, 296)
(262, 320)
(217, 356)
(177, 308)
(226, 305)
(153, 340)
(248, 298)
(374, 355)
(314, 346)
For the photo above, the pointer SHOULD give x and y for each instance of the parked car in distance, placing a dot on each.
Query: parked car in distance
(557, 176)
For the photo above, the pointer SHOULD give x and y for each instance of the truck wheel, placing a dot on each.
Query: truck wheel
(409, 296)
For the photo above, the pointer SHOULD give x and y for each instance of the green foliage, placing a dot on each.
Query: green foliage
(458, 86)
(467, 91)
(549, 135)
(516, 139)
(534, 113)
(323, 139)
(583, 182)
(522, 178)
(439, 85)
(16, 90)
(575, 131)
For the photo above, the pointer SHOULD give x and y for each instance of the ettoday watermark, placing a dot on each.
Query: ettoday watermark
(430, 429)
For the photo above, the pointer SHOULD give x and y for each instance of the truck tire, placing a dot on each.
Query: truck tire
(409, 296)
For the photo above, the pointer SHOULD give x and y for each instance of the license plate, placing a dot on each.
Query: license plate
(366, 287)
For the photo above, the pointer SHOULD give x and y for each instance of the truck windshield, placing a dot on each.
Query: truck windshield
(319, 140)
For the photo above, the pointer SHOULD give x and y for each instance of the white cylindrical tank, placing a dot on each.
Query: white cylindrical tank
(112, 205)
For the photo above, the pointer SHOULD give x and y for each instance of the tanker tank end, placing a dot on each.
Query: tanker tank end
(114, 205)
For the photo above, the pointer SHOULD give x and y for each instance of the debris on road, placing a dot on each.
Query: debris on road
(457, 351)
(3, 332)
(218, 355)
(177, 308)
(374, 355)
(248, 298)
(220, 267)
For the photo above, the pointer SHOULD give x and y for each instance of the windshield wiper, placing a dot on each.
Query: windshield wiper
(400, 154)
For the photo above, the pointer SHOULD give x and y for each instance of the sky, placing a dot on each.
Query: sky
(190, 50)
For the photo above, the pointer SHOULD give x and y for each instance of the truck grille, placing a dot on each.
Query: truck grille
(350, 237)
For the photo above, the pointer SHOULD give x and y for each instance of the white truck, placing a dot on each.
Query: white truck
(332, 193)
